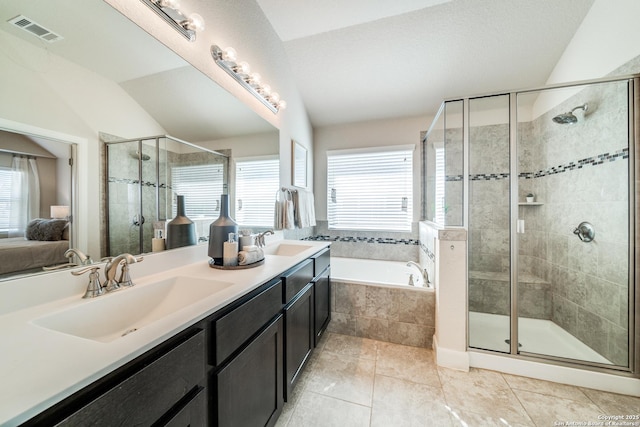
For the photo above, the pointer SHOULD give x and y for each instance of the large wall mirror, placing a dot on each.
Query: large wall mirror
(82, 69)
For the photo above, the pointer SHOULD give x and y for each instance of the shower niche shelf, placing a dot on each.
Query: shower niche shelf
(530, 204)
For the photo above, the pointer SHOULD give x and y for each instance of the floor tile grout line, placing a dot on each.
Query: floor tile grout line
(519, 400)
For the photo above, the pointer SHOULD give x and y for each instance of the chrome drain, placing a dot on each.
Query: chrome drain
(128, 331)
(508, 341)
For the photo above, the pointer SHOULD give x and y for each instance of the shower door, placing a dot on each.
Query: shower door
(572, 223)
(136, 171)
(549, 221)
(488, 218)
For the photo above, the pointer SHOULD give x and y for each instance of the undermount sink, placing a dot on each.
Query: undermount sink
(112, 316)
(285, 249)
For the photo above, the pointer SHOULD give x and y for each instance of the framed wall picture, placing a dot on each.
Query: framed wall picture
(298, 164)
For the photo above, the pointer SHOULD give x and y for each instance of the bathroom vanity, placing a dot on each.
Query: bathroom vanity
(230, 357)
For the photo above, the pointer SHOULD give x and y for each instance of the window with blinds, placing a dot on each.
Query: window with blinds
(257, 181)
(201, 186)
(370, 189)
(5, 198)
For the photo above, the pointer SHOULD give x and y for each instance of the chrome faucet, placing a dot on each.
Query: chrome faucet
(111, 269)
(94, 289)
(423, 272)
(260, 238)
(84, 259)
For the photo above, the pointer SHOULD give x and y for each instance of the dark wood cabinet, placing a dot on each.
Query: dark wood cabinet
(238, 325)
(299, 336)
(158, 384)
(248, 389)
(322, 303)
(234, 368)
(193, 412)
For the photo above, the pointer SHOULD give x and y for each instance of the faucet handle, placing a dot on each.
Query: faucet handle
(94, 288)
(125, 277)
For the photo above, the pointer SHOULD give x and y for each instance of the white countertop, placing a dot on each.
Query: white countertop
(40, 367)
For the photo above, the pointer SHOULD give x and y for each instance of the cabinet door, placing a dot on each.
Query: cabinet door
(299, 336)
(248, 390)
(192, 413)
(322, 301)
(146, 395)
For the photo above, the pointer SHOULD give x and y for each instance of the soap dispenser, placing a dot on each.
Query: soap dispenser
(230, 251)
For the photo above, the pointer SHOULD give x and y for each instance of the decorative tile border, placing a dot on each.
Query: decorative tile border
(349, 239)
(593, 161)
(137, 182)
(426, 250)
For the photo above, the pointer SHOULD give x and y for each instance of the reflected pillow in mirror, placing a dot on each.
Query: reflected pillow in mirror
(45, 229)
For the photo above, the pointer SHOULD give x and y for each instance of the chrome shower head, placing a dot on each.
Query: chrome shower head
(569, 117)
(137, 156)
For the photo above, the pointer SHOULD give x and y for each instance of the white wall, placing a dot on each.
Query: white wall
(45, 95)
(242, 25)
(366, 134)
(607, 38)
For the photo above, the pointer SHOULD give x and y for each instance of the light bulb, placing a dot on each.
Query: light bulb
(194, 23)
(266, 90)
(171, 4)
(242, 68)
(229, 54)
(255, 79)
(282, 104)
(275, 97)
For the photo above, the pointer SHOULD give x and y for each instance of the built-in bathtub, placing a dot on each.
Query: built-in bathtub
(375, 272)
(373, 299)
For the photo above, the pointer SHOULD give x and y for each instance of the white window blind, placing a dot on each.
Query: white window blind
(5, 198)
(370, 189)
(257, 181)
(201, 186)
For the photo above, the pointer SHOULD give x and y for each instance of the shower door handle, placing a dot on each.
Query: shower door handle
(138, 220)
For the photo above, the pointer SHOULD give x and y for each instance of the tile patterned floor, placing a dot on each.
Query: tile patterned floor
(354, 381)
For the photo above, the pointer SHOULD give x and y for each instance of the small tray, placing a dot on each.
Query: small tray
(235, 267)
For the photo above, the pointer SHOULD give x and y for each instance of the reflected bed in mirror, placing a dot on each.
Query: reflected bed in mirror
(35, 203)
(95, 79)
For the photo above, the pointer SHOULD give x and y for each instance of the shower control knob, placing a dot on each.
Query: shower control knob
(585, 232)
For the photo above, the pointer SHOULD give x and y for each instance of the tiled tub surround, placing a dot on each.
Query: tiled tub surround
(394, 313)
(390, 246)
(576, 175)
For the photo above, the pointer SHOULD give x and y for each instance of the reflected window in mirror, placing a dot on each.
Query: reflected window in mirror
(6, 176)
(201, 186)
(257, 181)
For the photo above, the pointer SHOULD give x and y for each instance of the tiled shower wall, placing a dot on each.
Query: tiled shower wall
(580, 173)
(577, 173)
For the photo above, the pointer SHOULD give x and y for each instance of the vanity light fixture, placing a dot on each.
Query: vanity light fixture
(227, 59)
(169, 10)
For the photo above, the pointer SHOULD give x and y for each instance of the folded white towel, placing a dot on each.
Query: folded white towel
(283, 218)
(250, 257)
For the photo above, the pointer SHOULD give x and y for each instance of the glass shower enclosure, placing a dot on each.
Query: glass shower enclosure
(142, 178)
(543, 182)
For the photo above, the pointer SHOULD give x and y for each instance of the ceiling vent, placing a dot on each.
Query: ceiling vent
(30, 26)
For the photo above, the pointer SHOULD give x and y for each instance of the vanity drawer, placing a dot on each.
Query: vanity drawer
(321, 261)
(296, 279)
(235, 328)
(156, 388)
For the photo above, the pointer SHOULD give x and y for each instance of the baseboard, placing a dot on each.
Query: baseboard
(452, 359)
